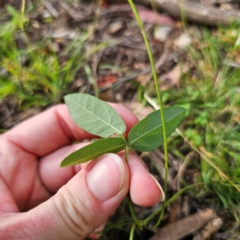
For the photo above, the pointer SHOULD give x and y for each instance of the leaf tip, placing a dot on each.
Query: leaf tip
(63, 164)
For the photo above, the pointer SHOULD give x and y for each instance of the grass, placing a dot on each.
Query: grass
(36, 75)
(32, 71)
(210, 92)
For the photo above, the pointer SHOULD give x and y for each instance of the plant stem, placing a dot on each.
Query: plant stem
(133, 214)
(22, 14)
(172, 199)
(136, 222)
(207, 156)
(134, 9)
(126, 151)
(21, 25)
(131, 237)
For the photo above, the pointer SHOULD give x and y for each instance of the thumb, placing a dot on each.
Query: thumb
(83, 204)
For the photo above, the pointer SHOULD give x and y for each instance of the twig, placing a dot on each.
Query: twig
(185, 226)
(209, 229)
(51, 9)
(196, 12)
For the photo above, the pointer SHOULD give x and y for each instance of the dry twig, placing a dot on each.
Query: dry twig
(185, 226)
(196, 12)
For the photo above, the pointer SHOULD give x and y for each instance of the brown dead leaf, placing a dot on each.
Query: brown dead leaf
(226, 7)
(173, 77)
(106, 81)
(237, 119)
(138, 109)
(185, 226)
(104, 3)
(116, 27)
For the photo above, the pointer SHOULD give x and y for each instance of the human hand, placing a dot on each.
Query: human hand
(40, 200)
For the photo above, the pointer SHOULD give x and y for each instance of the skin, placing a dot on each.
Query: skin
(40, 200)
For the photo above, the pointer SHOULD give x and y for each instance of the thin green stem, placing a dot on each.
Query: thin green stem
(166, 203)
(174, 197)
(126, 147)
(132, 232)
(126, 151)
(134, 9)
(137, 223)
(21, 25)
(22, 14)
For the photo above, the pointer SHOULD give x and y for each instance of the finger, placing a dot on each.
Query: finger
(18, 170)
(7, 202)
(53, 177)
(51, 174)
(54, 128)
(97, 233)
(144, 188)
(79, 207)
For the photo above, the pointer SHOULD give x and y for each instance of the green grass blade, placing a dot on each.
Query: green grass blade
(155, 78)
(94, 115)
(96, 149)
(147, 135)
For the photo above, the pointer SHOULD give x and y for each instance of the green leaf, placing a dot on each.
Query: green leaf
(93, 150)
(147, 135)
(94, 115)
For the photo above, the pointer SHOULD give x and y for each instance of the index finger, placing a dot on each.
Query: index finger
(54, 128)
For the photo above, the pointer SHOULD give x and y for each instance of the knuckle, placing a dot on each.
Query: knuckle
(74, 214)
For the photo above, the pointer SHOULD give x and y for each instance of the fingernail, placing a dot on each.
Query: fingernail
(160, 188)
(97, 233)
(105, 178)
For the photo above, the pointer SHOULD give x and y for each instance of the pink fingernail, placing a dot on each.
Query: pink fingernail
(105, 178)
(159, 186)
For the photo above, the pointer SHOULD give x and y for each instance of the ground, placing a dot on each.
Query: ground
(57, 47)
